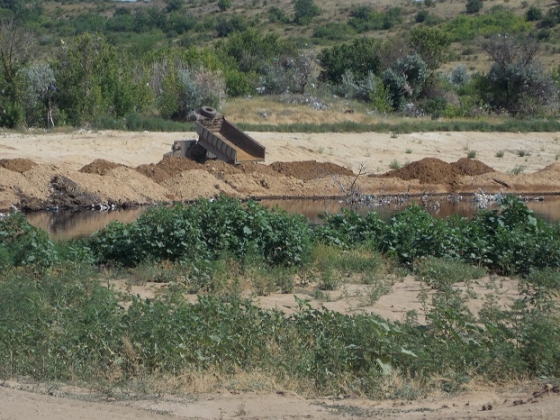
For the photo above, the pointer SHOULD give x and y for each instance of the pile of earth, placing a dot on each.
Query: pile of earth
(436, 171)
(170, 167)
(17, 165)
(310, 169)
(99, 167)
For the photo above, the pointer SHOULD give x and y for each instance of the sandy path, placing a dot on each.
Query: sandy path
(24, 405)
(374, 150)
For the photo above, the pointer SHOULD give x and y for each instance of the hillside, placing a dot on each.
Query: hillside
(107, 63)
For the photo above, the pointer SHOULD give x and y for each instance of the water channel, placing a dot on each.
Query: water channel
(76, 224)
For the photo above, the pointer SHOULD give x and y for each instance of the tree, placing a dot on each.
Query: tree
(534, 14)
(16, 47)
(94, 79)
(23, 10)
(474, 6)
(430, 44)
(360, 57)
(224, 5)
(305, 11)
(516, 82)
(174, 5)
(39, 102)
(405, 81)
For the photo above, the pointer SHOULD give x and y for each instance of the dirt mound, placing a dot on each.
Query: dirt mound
(190, 185)
(436, 171)
(470, 167)
(99, 167)
(427, 171)
(17, 165)
(176, 165)
(553, 167)
(154, 172)
(310, 169)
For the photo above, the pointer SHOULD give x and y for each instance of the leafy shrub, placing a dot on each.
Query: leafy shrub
(205, 230)
(533, 13)
(498, 20)
(473, 6)
(25, 245)
(224, 5)
(361, 57)
(334, 31)
(276, 14)
(421, 16)
(517, 81)
(305, 11)
(365, 18)
(405, 81)
(459, 75)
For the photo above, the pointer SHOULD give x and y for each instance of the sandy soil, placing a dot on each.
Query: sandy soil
(119, 168)
(297, 165)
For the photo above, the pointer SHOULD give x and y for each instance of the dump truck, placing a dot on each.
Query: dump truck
(218, 138)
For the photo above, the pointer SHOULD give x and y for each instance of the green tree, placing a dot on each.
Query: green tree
(23, 10)
(474, 6)
(533, 14)
(430, 44)
(94, 79)
(39, 102)
(248, 50)
(517, 81)
(405, 81)
(360, 57)
(16, 48)
(174, 5)
(305, 11)
(224, 5)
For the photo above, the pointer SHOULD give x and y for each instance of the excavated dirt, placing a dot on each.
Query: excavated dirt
(310, 169)
(17, 165)
(154, 172)
(436, 171)
(99, 167)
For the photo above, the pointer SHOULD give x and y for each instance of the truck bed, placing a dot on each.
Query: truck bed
(227, 142)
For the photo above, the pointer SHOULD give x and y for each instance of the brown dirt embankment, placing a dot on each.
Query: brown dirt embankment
(32, 186)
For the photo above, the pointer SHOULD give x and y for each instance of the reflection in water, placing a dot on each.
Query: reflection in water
(548, 210)
(68, 224)
(79, 224)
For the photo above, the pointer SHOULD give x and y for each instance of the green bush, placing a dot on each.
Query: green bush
(474, 6)
(497, 20)
(24, 244)
(365, 18)
(206, 230)
(533, 13)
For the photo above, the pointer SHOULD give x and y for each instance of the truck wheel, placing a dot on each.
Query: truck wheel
(208, 111)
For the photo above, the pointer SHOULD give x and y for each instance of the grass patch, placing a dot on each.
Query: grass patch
(404, 127)
(471, 154)
(395, 164)
(442, 272)
(500, 154)
(518, 169)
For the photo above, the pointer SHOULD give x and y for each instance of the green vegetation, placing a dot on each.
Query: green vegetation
(60, 321)
(76, 64)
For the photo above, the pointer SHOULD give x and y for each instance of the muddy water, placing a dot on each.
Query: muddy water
(66, 224)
